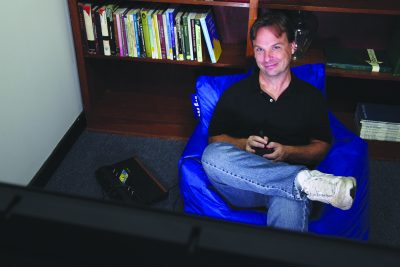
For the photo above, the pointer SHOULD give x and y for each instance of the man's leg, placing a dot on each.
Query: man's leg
(226, 164)
(288, 214)
(242, 170)
(247, 180)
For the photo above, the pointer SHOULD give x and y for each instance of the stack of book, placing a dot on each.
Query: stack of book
(149, 30)
(378, 122)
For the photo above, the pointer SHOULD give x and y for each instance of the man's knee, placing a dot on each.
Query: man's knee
(214, 151)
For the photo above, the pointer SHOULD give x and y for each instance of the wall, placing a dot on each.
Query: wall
(39, 86)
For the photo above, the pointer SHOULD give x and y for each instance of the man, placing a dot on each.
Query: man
(275, 111)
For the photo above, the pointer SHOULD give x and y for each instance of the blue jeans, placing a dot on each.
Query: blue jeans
(247, 180)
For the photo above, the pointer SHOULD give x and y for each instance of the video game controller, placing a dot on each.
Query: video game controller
(263, 150)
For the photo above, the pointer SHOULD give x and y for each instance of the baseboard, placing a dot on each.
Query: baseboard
(56, 157)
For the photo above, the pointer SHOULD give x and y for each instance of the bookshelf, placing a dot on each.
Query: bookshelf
(151, 97)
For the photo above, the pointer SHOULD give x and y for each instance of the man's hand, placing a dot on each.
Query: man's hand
(255, 141)
(312, 153)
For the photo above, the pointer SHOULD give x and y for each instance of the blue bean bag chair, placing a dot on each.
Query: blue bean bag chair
(348, 156)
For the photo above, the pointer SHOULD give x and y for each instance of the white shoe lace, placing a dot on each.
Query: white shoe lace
(320, 186)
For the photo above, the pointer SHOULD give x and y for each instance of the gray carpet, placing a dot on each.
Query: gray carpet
(75, 176)
(92, 150)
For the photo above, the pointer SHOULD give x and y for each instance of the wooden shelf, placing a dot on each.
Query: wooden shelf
(385, 7)
(228, 3)
(233, 55)
(316, 55)
(145, 114)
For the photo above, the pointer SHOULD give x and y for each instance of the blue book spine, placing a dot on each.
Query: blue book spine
(135, 25)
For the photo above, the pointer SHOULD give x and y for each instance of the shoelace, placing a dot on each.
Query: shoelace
(321, 186)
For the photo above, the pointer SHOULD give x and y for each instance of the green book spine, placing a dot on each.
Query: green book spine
(146, 34)
(185, 31)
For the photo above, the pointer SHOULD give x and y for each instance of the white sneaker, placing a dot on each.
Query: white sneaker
(339, 191)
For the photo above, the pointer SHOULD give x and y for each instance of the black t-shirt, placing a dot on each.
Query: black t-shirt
(299, 115)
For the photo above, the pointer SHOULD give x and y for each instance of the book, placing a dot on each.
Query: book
(98, 30)
(180, 43)
(153, 46)
(191, 35)
(185, 35)
(378, 121)
(211, 36)
(166, 34)
(369, 112)
(142, 45)
(146, 35)
(124, 33)
(393, 50)
(171, 13)
(357, 59)
(198, 39)
(89, 27)
(102, 11)
(110, 8)
(130, 32)
(118, 18)
(157, 34)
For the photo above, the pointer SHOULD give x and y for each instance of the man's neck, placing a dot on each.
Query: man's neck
(274, 86)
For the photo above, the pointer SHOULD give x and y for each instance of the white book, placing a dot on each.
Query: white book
(87, 17)
(104, 31)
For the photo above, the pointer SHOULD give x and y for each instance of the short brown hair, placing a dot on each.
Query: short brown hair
(276, 19)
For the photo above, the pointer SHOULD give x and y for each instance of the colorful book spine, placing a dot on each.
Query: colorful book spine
(89, 28)
(157, 35)
(211, 36)
(161, 34)
(151, 33)
(191, 34)
(136, 32)
(180, 44)
(166, 35)
(185, 35)
(197, 29)
(119, 30)
(141, 35)
(110, 25)
(130, 31)
(124, 34)
(104, 31)
(146, 34)
(116, 32)
(172, 31)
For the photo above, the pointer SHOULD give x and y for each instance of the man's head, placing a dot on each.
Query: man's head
(273, 42)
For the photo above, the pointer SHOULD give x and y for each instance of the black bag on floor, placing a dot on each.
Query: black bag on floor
(130, 181)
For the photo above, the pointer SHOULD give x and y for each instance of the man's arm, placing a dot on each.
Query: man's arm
(312, 153)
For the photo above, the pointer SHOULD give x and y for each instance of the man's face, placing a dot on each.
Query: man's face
(272, 52)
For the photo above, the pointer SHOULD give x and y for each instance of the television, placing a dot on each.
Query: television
(40, 228)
